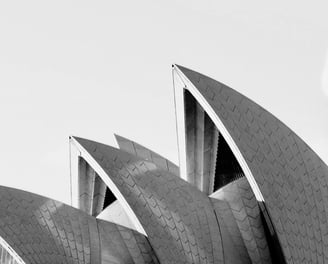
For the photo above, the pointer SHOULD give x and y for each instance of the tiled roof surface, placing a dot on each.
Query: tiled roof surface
(291, 177)
(184, 225)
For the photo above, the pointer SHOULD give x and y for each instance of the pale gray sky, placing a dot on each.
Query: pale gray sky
(94, 68)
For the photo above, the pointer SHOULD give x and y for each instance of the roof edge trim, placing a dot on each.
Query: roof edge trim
(11, 251)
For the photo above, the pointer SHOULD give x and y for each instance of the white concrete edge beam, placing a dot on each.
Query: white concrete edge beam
(178, 86)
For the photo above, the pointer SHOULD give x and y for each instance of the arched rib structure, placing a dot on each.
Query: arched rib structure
(285, 174)
(91, 189)
(40, 230)
(178, 219)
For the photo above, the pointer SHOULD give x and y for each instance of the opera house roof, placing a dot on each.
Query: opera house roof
(247, 190)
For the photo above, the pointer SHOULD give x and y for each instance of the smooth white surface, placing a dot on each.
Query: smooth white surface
(94, 68)
(115, 213)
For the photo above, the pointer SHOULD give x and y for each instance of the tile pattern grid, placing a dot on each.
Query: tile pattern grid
(291, 177)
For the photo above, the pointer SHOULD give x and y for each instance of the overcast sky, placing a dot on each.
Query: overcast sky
(94, 68)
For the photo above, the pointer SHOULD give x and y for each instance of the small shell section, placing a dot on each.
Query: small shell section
(41, 230)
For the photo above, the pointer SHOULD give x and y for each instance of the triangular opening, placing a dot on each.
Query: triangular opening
(227, 168)
(109, 198)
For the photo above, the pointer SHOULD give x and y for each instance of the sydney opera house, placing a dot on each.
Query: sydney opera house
(247, 190)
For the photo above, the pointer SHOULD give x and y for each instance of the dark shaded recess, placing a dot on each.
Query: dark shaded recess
(190, 101)
(227, 168)
(109, 198)
(276, 253)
